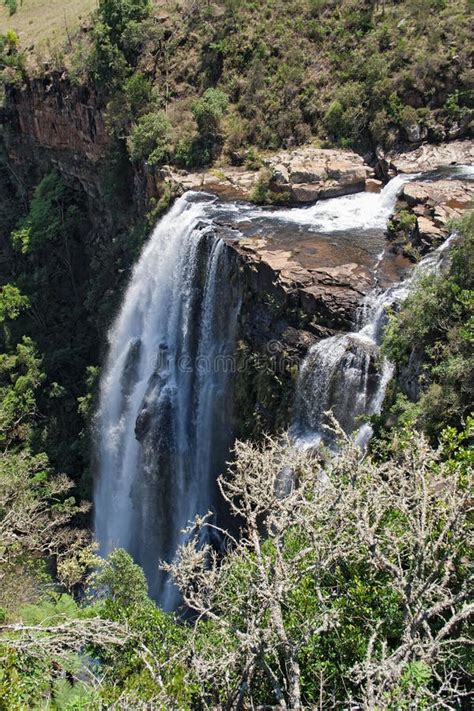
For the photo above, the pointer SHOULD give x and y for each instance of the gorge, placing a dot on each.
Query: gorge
(166, 417)
(236, 354)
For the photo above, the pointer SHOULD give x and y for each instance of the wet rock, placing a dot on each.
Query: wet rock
(305, 193)
(373, 186)
(299, 339)
(142, 424)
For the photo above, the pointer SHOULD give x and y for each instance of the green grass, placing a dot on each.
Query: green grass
(43, 24)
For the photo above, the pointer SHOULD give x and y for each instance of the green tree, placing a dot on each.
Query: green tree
(21, 377)
(150, 138)
(208, 111)
(118, 14)
(12, 302)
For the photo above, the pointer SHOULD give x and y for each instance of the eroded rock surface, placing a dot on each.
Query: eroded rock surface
(302, 175)
(327, 297)
(432, 156)
(424, 212)
(308, 174)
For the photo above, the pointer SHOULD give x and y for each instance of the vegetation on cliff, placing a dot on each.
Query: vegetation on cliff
(431, 339)
(274, 73)
(357, 74)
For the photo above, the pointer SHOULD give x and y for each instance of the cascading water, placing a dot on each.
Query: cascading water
(346, 374)
(358, 212)
(343, 374)
(164, 421)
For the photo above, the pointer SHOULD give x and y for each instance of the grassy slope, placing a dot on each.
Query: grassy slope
(45, 23)
(351, 72)
(284, 64)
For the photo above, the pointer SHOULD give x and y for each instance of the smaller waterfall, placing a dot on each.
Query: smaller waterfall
(347, 373)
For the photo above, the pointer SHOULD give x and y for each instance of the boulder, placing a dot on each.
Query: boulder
(305, 192)
(280, 175)
(452, 194)
(434, 205)
(428, 231)
(373, 186)
(304, 174)
(416, 132)
(301, 173)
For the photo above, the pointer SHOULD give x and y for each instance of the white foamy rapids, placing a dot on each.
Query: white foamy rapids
(163, 423)
(346, 374)
(362, 211)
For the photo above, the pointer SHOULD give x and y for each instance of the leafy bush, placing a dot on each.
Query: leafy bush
(137, 90)
(118, 14)
(435, 327)
(11, 5)
(345, 119)
(21, 377)
(12, 302)
(150, 138)
(406, 220)
(12, 61)
(208, 110)
(117, 37)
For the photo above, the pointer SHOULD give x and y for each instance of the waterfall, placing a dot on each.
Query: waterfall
(164, 425)
(346, 374)
(164, 421)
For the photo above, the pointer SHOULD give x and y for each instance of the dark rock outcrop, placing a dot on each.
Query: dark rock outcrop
(50, 123)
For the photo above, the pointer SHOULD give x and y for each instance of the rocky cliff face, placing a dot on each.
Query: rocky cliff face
(425, 211)
(296, 290)
(50, 123)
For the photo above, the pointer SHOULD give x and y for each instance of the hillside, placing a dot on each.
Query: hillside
(43, 26)
(357, 74)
